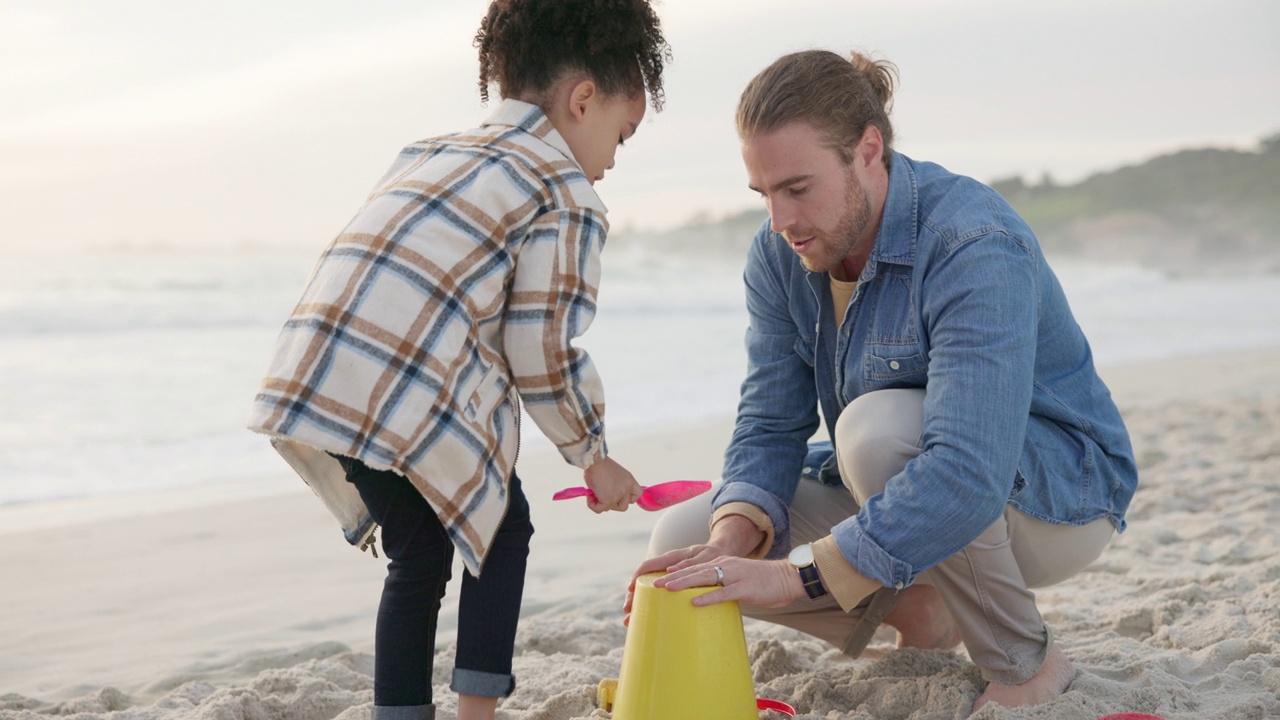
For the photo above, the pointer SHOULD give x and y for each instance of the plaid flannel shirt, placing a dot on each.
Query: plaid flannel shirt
(462, 280)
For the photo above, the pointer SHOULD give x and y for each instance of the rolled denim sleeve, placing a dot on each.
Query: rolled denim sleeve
(777, 410)
(979, 309)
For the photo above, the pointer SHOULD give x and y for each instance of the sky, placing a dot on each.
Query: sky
(159, 123)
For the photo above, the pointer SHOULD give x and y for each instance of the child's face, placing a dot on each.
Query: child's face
(604, 123)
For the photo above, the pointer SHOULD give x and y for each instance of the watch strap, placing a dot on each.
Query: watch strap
(812, 581)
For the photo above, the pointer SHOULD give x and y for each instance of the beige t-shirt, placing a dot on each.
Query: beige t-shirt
(841, 292)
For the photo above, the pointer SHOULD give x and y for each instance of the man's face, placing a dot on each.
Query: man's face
(814, 197)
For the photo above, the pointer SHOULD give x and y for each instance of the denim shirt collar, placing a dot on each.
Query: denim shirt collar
(900, 221)
(899, 227)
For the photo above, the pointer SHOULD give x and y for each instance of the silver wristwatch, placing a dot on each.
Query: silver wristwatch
(801, 558)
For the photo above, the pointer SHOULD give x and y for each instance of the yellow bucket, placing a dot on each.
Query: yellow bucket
(682, 661)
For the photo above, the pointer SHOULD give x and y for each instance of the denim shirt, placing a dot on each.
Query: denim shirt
(956, 298)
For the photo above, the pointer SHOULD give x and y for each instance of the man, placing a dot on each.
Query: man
(978, 452)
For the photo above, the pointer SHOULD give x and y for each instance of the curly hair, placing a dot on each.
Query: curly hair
(839, 96)
(527, 45)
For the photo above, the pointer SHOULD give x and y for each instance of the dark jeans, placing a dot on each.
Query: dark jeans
(420, 557)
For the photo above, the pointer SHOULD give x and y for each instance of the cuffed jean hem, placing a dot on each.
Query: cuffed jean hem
(1018, 670)
(404, 712)
(484, 684)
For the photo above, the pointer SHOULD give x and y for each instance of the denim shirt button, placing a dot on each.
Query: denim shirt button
(894, 364)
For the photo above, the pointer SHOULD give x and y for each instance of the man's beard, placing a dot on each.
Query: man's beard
(840, 242)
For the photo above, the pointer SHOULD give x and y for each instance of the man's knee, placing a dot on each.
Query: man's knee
(876, 435)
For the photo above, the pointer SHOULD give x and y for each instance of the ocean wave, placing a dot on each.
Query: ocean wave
(133, 375)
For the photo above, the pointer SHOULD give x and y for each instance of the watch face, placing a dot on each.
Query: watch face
(801, 556)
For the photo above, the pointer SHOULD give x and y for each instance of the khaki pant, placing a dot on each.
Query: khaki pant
(985, 585)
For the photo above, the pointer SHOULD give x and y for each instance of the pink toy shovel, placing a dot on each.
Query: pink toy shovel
(654, 497)
(776, 706)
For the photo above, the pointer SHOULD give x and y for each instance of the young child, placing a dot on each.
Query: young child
(455, 293)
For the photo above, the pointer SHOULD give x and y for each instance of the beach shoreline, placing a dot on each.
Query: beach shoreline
(170, 604)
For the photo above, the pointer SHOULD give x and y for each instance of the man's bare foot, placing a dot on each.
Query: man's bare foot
(922, 620)
(1050, 681)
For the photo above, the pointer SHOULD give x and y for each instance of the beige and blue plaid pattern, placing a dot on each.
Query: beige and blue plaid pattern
(462, 281)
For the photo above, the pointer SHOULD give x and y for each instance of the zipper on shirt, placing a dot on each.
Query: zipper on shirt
(516, 459)
(369, 540)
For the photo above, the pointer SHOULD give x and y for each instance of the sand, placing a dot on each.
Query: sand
(200, 606)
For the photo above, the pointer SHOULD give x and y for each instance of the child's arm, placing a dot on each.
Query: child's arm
(553, 301)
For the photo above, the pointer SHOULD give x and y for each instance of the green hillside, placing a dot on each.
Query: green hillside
(1209, 206)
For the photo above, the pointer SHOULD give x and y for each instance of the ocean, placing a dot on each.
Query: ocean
(131, 371)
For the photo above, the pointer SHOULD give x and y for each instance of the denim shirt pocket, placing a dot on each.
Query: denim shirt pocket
(895, 364)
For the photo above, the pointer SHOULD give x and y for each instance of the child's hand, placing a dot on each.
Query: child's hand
(614, 486)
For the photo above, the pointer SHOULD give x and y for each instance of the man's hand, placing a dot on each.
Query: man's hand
(737, 535)
(614, 486)
(731, 537)
(667, 562)
(763, 583)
